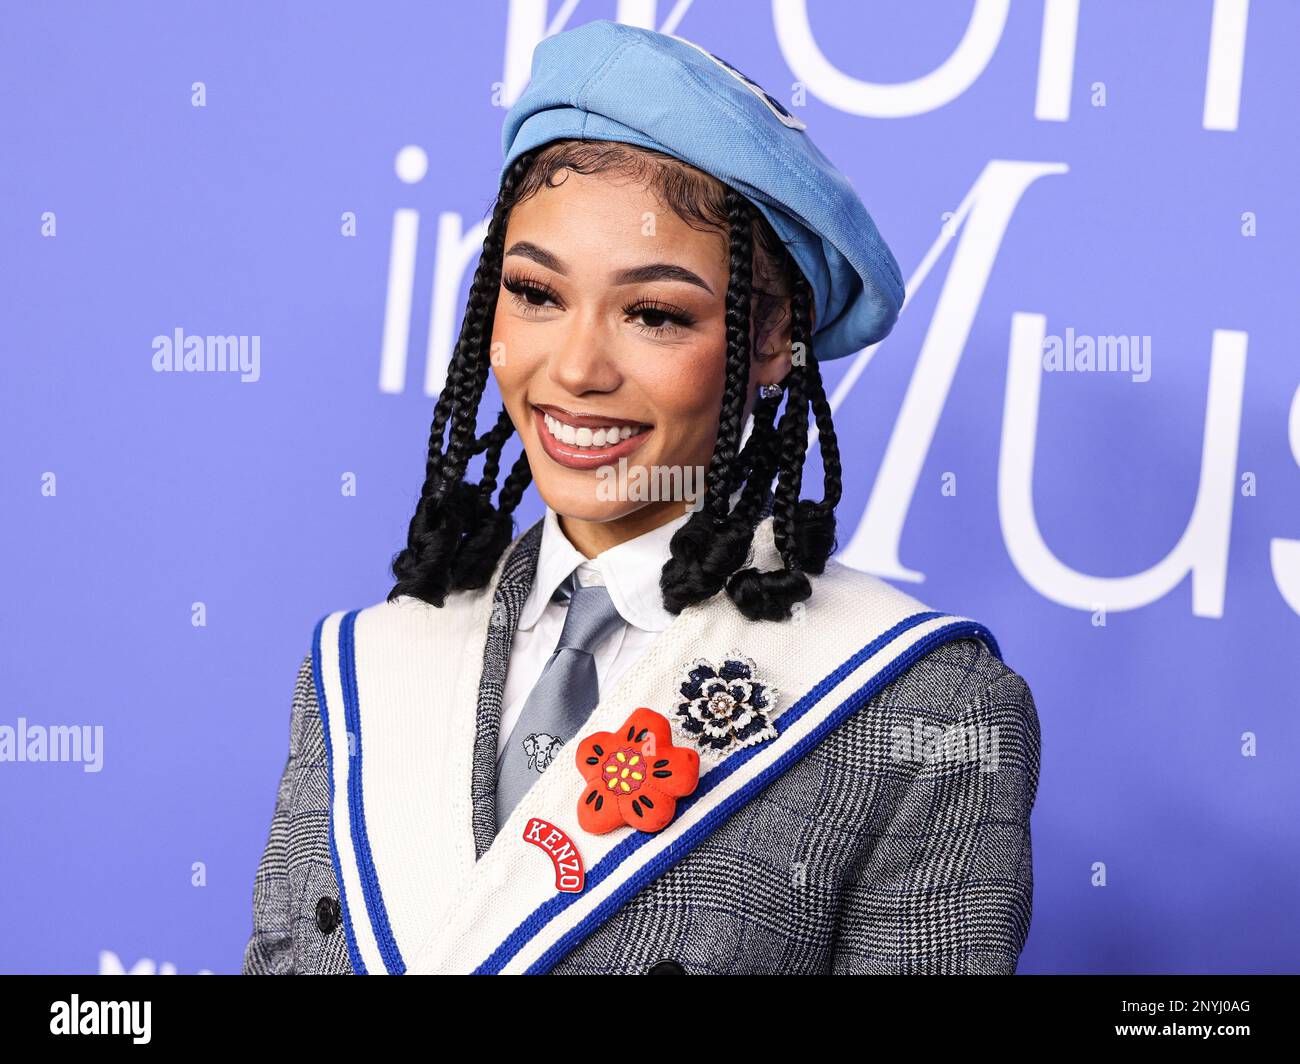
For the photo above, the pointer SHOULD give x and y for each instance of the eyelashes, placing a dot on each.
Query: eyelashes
(660, 319)
(525, 291)
(657, 318)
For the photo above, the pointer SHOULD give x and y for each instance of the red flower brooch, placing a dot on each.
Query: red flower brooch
(634, 776)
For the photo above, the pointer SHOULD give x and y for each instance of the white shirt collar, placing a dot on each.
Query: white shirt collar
(630, 571)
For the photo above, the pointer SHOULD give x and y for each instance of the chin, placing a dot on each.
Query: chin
(580, 501)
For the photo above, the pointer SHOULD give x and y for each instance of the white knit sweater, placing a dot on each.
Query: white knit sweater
(402, 695)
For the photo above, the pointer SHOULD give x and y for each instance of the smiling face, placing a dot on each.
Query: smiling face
(609, 343)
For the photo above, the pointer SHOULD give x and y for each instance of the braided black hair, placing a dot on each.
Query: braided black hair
(457, 535)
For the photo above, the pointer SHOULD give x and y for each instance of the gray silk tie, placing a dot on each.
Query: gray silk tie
(562, 699)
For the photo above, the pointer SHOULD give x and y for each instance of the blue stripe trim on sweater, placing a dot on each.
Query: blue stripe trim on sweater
(354, 954)
(356, 806)
(610, 864)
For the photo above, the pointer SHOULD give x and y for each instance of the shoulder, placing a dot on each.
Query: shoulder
(393, 634)
(954, 672)
(957, 721)
(842, 595)
(960, 682)
(304, 714)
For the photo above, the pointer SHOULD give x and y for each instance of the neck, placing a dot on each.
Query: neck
(593, 537)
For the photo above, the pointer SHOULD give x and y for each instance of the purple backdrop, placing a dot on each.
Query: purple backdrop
(232, 170)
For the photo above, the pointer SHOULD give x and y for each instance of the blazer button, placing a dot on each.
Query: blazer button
(328, 915)
(668, 967)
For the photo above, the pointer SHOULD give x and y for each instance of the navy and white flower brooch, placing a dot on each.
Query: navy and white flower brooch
(726, 705)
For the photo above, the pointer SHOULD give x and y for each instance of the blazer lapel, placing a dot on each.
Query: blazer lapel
(507, 604)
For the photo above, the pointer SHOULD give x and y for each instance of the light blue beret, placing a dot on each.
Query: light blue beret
(607, 81)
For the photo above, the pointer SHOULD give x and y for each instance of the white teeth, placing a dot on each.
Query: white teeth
(585, 437)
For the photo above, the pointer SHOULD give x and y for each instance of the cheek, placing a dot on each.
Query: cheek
(687, 394)
(513, 362)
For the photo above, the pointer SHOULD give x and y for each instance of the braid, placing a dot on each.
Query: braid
(735, 391)
(713, 542)
(794, 438)
(757, 463)
(709, 548)
(492, 443)
(474, 325)
(803, 532)
(456, 535)
(521, 475)
(815, 521)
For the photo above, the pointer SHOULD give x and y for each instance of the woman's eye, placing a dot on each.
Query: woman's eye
(659, 321)
(527, 295)
(655, 319)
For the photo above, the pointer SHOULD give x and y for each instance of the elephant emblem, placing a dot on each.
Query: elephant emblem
(541, 750)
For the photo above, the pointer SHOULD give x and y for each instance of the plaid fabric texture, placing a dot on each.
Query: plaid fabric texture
(865, 857)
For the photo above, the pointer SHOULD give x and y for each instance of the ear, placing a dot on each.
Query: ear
(772, 340)
(772, 324)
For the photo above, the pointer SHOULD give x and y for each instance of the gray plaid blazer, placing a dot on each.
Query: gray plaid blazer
(853, 861)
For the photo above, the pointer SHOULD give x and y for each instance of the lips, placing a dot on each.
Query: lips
(591, 421)
(585, 441)
(585, 438)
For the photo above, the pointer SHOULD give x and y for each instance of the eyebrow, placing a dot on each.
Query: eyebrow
(539, 255)
(655, 271)
(660, 271)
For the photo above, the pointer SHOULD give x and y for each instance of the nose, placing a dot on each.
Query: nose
(584, 357)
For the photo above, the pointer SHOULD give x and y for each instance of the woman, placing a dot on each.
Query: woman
(662, 730)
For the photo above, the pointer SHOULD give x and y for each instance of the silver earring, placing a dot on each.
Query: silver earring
(769, 391)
